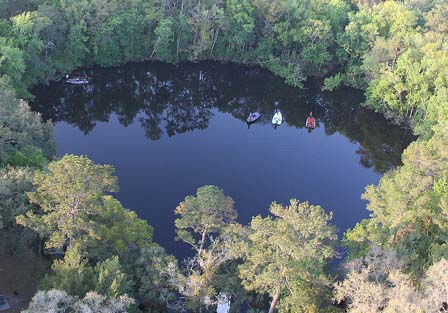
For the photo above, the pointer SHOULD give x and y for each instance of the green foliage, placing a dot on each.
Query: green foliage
(409, 206)
(441, 187)
(153, 282)
(117, 232)
(22, 132)
(28, 156)
(67, 194)
(46, 40)
(121, 39)
(74, 275)
(14, 184)
(402, 64)
(292, 73)
(333, 82)
(165, 38)
(285, 255)
(110, 279)
(25, 141)
(209, 215)
(204, 214)
(397, 51)
(75, 48)
(11, 63)
(74, 214)
(239, 31)
(27, 28)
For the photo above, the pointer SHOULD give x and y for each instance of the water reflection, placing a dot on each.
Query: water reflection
(182, 98)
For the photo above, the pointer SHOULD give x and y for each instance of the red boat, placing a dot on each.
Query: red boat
(310, 123)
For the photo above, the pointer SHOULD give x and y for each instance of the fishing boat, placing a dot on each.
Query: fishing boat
(77, 81)
(277, 119)
(253, 117)
(310, 124)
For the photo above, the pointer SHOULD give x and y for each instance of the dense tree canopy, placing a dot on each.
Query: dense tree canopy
(49, 38)
(24, 138)
(409, 206)
(284, 256)
(68, 193)
(396, 50)
(207, 213)
(14, 183)
(379, 283)
(106, 248)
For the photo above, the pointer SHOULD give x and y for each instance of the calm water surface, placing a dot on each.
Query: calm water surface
(171, 129)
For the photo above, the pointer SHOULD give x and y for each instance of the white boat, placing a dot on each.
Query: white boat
(253, 117)
(77, 81)
(277, 119)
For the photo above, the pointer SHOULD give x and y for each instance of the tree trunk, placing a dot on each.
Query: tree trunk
(180, 28)
(275, 298)
(155, 48)
(132, 45)
(204, 236)
(215, 38)
(70, 240)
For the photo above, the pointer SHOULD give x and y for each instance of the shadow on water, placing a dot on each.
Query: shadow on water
(172, 99)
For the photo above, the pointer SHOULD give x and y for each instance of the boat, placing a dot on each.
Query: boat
(310, 124)
(77, 81)
(253, 117)
(277, 119)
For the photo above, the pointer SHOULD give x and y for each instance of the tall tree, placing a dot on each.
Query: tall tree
(165, 39)
(27, 28)
(198, 284)
(208, 216)
(204, 214)
(285, 255)
(66, 194)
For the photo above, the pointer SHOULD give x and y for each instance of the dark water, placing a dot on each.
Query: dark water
(171, 129)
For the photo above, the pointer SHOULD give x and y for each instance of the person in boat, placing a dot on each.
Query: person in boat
(310, 121)
(252, 116)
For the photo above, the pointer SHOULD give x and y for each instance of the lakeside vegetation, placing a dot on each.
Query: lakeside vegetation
(104, 255)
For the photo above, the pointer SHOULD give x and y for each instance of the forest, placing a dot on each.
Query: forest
(103, 257)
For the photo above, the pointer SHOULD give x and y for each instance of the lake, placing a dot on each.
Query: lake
(169, 129)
